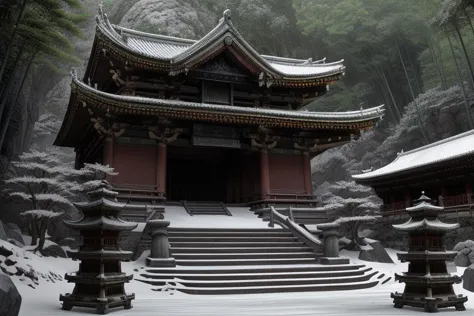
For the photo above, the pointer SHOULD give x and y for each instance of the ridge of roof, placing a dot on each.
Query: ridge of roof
(437, 143)
(152, 36)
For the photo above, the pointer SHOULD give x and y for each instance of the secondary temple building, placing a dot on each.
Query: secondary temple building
(203, 120)
(443, 169)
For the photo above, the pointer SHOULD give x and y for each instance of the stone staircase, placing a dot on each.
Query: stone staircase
(245, 261)
(205, 208)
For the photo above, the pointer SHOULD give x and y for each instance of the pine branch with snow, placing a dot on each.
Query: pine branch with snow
(351, 205)
(98, 171)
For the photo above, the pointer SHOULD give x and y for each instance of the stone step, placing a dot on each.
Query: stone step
(219, 256)
(278, 289)
(225, 230)
(270, 269)
(260, 282)
(176, 250)
(232, 262)
(219, 244)
(194, 233)
(173, 239)
(262, 273)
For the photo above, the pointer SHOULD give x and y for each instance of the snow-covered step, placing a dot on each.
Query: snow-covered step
(261, 282)
(261, 274)
(177, 250)
(262, 233)
(206, 208)
(244, 255)
(258, 269)
(250, 239)
(246, 261)
(225, 230)
(220, 244)
(277, 289)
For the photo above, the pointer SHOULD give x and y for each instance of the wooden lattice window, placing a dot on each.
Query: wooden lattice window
(216, 92)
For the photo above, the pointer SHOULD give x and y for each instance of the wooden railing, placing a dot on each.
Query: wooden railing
(302, 234)
(393, 206)
(455, 200)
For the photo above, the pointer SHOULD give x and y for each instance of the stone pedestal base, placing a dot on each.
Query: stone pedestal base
(160, 262)
(333, 260)
(429, 304)
(101, 306)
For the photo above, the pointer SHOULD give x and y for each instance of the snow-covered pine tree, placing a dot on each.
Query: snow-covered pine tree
(351, 205)
(48, 183)
(42, 180)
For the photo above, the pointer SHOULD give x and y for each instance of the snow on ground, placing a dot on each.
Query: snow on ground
(375, 301)
(241, 217)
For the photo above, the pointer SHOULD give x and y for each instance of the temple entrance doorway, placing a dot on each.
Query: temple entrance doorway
(203, 174)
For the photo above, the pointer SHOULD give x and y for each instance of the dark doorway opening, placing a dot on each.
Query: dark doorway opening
(203, 174)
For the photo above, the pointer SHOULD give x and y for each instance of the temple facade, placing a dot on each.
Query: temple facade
(203, 120)
(444, 170)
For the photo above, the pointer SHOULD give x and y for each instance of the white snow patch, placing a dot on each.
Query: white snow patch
(241, 217)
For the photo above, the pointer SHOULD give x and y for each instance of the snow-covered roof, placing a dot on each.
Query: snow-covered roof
(426, 225)
(441, 151)
(100, 204)
(102, 222)
(424, 206)
(181, 51)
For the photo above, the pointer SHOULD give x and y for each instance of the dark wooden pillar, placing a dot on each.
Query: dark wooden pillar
(407, 199)
(161, 170)
(264, 173)
(108, 154)
(308, 186)
(443, 194)
(469, 192)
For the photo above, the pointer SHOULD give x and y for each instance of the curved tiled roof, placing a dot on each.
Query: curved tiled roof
(101, 222)
(150, 103)
(426, 225)
(180, 53)
(441, 151)
(83, 95)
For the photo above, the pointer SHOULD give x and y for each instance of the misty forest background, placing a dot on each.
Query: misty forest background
(413, 56)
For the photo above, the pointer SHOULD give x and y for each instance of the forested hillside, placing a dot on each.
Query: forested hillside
(412, 56)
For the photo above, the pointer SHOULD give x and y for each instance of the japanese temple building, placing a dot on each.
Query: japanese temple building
(203, 120)
(443, 169)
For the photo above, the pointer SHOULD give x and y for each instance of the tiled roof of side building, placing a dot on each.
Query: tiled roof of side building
(175, 50)
(441, 151)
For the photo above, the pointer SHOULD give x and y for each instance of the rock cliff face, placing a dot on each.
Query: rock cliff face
(172, 17)
(443, 115)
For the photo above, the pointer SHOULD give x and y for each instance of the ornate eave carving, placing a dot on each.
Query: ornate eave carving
(262, 139)
(163, 133)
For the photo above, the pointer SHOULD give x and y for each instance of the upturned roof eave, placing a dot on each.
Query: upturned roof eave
(330, 117)
(118, 103)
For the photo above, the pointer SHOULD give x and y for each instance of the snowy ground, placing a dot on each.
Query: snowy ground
(241, 217)
(44, 300)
